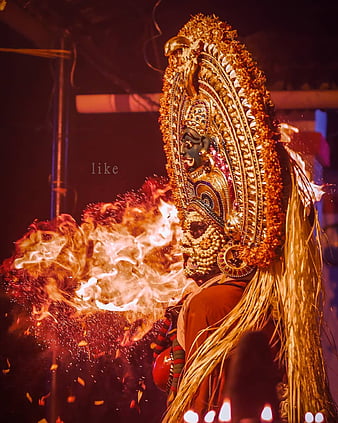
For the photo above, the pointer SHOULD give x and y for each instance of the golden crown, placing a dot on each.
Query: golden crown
(220, 138)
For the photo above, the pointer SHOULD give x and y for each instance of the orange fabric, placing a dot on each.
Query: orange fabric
(206, 309)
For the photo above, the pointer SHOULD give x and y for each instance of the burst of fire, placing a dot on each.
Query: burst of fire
(123, 261)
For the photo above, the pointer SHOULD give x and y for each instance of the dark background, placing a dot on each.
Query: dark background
(295, 43)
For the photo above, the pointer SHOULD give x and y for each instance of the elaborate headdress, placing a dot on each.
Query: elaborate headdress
(214, 93)
(222, 149)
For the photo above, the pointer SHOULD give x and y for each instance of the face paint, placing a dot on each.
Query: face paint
(193, 148)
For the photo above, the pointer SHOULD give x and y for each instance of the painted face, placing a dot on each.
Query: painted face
(200, 245)
(193, 146)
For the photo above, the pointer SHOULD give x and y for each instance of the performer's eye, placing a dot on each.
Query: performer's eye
(197, 229)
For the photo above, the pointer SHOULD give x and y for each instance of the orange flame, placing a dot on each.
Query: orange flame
(125, 273)
(124, 258)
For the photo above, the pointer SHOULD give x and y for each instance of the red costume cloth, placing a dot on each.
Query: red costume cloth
(207, 309)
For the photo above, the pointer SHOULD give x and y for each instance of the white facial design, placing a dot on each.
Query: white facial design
(200, 245)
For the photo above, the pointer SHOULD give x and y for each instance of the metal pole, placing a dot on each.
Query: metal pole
(59, 177)
(60, 136)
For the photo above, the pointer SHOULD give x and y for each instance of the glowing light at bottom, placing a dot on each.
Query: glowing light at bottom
(210, 416)
(319, 418)
(191, 417)
(266, 415)
(309, 417)
(225, 412)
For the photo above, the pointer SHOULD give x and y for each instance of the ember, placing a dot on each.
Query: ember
(7, 370)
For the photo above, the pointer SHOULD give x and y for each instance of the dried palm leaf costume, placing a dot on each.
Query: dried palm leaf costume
(243, 215)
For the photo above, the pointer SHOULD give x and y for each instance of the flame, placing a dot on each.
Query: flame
(120, 268)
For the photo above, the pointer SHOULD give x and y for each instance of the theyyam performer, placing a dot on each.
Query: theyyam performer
(250, 230)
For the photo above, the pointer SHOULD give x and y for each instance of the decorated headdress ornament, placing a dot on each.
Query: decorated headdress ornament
(220, 141)
(223, 161)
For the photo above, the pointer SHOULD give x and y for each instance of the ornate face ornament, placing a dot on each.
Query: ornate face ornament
(221, 147)
(201, 244)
